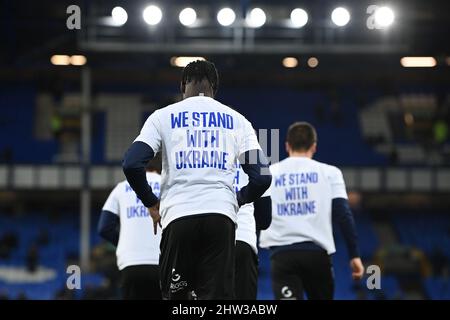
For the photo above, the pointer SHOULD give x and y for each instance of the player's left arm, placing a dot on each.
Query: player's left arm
(263, 213)
(259, 177)
(254, 163)
(343, 216)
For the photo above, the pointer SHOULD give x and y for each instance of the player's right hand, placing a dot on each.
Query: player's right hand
(357, 268)
(154, 213)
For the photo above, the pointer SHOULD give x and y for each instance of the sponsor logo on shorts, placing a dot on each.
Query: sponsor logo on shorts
(286, 293)
(177, 284)
(176, 277)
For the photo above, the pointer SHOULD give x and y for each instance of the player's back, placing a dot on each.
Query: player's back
(302, 191)
(137, 243)
(200, 140)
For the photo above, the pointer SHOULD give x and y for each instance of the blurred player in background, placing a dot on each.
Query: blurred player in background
(306, 196)
(200, 139)
(125, 223)
(251, 218)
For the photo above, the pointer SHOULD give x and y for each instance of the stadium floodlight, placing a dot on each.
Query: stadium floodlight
(256, 18)
(418, 62)
(313, 62)
(78, 60)
(340, 16)
(226, 17)
(119, 16)
(183, 61)
(187, 17)
(60, 60)
(152, 15)
(299, 17)
(290, 62)
(384, 17)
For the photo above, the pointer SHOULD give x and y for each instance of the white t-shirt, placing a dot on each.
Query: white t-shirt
(246, 225)
(199, 139)
(138, 244)
(302, 191)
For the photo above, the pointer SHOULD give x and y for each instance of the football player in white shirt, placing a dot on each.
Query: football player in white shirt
(306, 196)
(251, 217)
(125, 222)
(199, 139)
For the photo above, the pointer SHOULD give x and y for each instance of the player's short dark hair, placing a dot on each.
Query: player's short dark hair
(199, 70)
(155, 164)
(301, 136)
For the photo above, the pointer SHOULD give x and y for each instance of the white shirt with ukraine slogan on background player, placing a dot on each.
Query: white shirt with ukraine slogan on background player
(302, 191)
(138, 245)
(200, 140)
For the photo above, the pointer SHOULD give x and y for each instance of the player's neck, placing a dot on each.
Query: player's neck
(301, 154)
(197, 94)
(198, 89)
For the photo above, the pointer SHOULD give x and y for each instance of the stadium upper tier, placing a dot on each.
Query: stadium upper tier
(355, 127)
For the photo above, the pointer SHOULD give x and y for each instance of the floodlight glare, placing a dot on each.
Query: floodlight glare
(119, 16)
(152, 15)
(340, 16)
(299, 17)
(384, 17)
(226, 17)
(256, 18)
(187, 17)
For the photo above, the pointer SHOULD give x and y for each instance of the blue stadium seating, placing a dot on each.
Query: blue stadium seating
(426, 231)
(421, 231)
(64, 241)
(437, 288)
(17, 109)
(276, 110)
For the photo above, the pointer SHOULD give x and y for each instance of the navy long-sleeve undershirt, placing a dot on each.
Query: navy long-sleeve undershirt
(109, 227)
(258, 182)
(342, 215)
(134, 164)
(263, 213)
